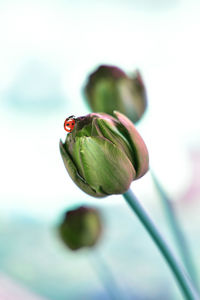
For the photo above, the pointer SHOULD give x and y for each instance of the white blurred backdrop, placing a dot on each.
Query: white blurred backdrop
(47, 50)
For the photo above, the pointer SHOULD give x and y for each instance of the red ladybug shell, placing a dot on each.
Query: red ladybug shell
(69, 124)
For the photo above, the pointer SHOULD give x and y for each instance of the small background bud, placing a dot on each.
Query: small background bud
(80, 227)
(109, 88)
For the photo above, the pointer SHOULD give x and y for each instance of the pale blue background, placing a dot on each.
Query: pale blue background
(47, 49)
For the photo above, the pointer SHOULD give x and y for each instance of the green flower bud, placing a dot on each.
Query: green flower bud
(80, 227)
(103, 155)
(109, 89)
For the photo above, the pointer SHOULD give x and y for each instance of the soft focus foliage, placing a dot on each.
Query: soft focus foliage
(81, 227)
(109, 88)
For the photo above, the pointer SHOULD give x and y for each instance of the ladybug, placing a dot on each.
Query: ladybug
(69, 123)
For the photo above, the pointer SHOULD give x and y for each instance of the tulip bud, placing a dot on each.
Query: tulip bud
(103, 155)
(81, 227)
(109, 89)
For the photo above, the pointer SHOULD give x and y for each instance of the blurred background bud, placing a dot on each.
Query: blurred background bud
(103, 154)
(109, 88)
(80, 227)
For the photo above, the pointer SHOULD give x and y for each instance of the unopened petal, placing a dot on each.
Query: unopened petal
(72, 170)
(106, 167)
(139, 147)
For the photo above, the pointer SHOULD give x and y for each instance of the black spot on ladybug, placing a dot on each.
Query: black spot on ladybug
(67, 124)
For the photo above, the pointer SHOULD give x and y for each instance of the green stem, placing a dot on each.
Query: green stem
(106, 276)
(183, 280)
(179, 237)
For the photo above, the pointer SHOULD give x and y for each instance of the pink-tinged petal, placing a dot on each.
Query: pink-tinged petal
(138, 145)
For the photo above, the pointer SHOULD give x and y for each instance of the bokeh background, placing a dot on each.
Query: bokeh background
(47, 50)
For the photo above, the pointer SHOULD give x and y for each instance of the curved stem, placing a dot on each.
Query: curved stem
(179, 237)
(184, 282)
(106, 276)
